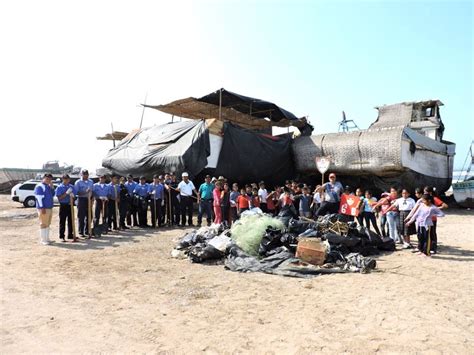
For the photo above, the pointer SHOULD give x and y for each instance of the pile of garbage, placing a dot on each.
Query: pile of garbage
(285, 245)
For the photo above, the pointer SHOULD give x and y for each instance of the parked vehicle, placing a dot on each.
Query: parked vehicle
(24, 192)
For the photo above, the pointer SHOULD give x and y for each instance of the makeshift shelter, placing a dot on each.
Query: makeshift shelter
(227, 106)
(172, 147)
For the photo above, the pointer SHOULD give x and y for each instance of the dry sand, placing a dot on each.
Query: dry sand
(125, 294)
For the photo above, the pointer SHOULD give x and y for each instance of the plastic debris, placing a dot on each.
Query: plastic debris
(249, 230)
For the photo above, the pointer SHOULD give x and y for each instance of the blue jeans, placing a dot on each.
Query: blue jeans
(392, 219)
(205, 206)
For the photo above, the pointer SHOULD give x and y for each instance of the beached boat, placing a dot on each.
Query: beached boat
(463, 189)
(403, 147)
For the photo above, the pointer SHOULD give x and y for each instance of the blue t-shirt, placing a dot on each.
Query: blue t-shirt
(44, 196)
(114, 191)
(82, 186)
(61, 189)
(130, 187)
(159, 190)
(141, 190)
(100, 190)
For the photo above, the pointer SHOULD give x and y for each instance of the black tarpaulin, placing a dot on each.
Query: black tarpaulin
(247, 156)
(248, 105)
(172, 147)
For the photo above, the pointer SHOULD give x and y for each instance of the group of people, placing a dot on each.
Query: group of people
(123, 203)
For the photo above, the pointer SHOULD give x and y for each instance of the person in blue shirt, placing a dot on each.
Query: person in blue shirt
(100, 193)
(141, 194)
(156, 193)
(83, 188)
(132, 203)
(205, 203)
(64, 193)
(44, 193)
(114, 200)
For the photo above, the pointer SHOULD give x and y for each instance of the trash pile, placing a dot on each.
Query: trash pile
(285, 245)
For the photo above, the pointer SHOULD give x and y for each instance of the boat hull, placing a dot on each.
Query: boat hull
(464, 193)
(379, 158)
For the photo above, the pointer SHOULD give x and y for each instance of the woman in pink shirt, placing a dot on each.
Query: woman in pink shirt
(216, 194)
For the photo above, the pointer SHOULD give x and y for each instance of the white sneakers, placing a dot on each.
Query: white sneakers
(44, 236)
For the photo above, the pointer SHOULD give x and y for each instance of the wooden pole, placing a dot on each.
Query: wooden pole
(143, 111)
(220, 105)
(113, 138)
(73, 218)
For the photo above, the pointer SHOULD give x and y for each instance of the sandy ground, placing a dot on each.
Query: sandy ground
(125, 294)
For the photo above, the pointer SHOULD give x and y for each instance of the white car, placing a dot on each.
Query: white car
(24, 193)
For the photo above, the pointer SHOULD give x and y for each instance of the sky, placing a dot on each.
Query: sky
(68, 70)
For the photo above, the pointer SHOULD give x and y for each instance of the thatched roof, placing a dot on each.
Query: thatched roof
(227, 106)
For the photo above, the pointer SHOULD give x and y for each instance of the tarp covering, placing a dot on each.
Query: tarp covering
(248, 156)
(248, 105)
(172, 147)
(245, 111)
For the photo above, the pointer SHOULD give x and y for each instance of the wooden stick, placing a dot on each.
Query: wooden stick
(89, 214)
(73, 217)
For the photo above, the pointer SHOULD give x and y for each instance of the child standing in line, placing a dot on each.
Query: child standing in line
(424, 220)
(367, 213)
(233, 202)
(216, 203)
(242, 202)
(255, 198)
(304, 203)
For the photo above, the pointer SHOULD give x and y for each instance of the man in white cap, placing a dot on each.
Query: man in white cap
(186, 189)
(44, 193)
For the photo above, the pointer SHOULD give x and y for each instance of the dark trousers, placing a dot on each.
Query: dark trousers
(123, 209)
(383, 224)
(327, 208)
(205, 206)
(424, 239)
(100, 210)
(225, 213)
(112, 215)
(82, 215)
(263, 207)
(132, 214)
(360, 219)
(233, 214)
(142, 212)
(176, 210)
(369, 217)
(186, 209)
(65, 214)
(156, 213)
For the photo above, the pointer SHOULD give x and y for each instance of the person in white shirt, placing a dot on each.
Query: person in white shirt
(186, 189)
(404, 205)
(263, 194)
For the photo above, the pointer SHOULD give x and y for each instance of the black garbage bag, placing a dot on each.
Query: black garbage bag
(271, 240)
(299, 226)
(333, 238)
(188, 240)
(201, 253)
(286, 213)
(290, 241)
(355, 260)
(386, 244)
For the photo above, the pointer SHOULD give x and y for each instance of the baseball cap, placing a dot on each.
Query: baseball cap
(48, 175)
(142, 178)
(85, 172)
(184, 174)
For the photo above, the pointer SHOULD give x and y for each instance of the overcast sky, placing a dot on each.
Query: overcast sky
(70, 69)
